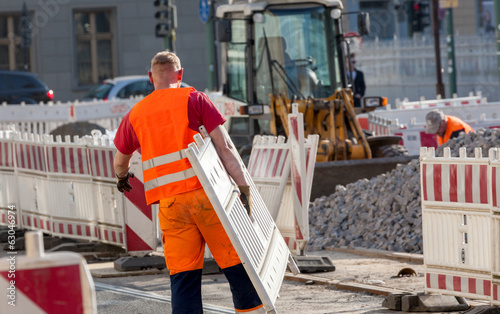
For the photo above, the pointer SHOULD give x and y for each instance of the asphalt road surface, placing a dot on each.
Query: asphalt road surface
(308, 294)
(325, 292)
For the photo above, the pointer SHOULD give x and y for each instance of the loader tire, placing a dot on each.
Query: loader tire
(394, 150)
(77, 128)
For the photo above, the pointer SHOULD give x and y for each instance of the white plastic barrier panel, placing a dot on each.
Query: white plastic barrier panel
(456, 224)
(44, 118)
(45, 283)
(69, 189)
(494, 155)
(440, 103)
(302, 171)
(283, 173)
(269, 167)
(108, 201)
(410, 123)
(8, 180)
(257, 241)
(139, 217)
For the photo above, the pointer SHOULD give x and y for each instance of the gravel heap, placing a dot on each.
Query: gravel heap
(483, 138)
(383, 212)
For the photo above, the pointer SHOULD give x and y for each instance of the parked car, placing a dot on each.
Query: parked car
(17, 87)
(122, 87)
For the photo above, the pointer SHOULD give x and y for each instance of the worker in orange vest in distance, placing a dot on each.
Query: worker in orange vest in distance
(162, 125)
(444, 126)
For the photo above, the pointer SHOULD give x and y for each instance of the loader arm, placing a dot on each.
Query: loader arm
(333, 119)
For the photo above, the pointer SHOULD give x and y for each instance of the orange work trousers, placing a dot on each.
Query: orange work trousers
(188, 221)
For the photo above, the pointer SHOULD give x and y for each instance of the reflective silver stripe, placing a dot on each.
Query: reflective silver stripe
(162, 160)
(169, 178)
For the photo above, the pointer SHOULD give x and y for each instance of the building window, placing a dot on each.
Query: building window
(94, 46)
(487, 20)
(12, 55)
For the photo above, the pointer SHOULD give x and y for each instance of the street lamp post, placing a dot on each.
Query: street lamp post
(435, 27)
(496, 6)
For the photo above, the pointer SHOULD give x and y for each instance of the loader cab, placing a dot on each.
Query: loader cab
(280, 47)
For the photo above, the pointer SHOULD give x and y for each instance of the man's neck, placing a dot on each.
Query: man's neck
(167, 86)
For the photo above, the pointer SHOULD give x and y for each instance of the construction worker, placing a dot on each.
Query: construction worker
(444, 126)
(161, 126)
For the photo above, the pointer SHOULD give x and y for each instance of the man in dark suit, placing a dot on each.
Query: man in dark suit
(358, 81)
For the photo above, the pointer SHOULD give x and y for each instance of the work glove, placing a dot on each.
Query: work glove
(122, 183)
(245, 198)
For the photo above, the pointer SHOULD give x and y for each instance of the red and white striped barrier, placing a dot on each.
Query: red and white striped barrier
(44, 118)
(269, 167)
(457, 180)
(302, 169)
(45, 283)
(68, 189)
(139, 217)
(410, 123)
(494, 157)
(380, 126)
(9, 194)
(440, 103)
(109, 204)
(472, 286)
(66, 158)
(461, 223)
(272, 163)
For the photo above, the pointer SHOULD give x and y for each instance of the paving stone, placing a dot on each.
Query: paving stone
(393, 301)
(409, 303)
(383, 212)
(440, 303)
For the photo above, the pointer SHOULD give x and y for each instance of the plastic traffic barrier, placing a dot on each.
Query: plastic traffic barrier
(494, 157)
(68, 189)
(44, 118)
(460, 223)
(9, 195)
(302, 170)
(256, 239)
(409, 123)
(440, 103)
(42, 282)
(283, 173)
(140, 218)
(269, 167)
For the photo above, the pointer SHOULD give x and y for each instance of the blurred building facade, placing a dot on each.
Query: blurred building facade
(390, 18)
(76, 44)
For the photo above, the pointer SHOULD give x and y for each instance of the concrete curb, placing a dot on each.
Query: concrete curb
(107, 270)
(349, 286)
(398, 256)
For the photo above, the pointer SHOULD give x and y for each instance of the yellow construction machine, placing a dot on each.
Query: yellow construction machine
(278, 52)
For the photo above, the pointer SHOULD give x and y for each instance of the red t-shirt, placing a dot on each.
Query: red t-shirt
(201, 111)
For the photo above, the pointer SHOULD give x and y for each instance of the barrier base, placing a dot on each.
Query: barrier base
(483, 309)
(313, 264)
(4, 234)
(128, 263)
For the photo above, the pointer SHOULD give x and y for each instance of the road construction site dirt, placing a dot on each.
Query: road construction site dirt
(341, 291)
(345, 289)
(353, 272)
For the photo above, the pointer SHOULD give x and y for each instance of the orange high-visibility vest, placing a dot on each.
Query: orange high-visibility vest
(160, 122)
(454, 124)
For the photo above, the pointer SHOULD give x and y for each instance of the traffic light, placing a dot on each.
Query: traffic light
(419, 15)
(164, 19)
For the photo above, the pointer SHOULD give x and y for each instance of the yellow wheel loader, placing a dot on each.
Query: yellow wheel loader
(278, 52)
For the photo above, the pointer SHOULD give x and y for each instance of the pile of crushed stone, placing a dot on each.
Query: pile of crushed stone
(383, 212)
